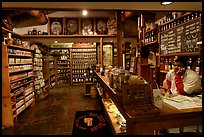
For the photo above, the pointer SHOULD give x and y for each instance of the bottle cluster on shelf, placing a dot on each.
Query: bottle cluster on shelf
(19, 61)
(151, 36)
(52, 81)
(82, 58)
(20, 75)
(18, 52)
(34, 31)
(83, 55)
(65, 75)
(22, 87)
(63, 68)
(39, 83)
(19, 68)
(193, 63)
(19, 83)
(182, 38)
(51, 65)
(173, 22)
(83, 50)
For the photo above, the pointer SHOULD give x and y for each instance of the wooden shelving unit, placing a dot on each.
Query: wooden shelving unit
(52, 68)
(81, 58)
(128, 55)
(183, 45)
(17, 80)
(63, 68)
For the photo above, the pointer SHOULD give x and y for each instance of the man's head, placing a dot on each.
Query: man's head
(180, 65)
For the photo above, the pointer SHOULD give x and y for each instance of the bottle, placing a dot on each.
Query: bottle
(34, 31)
(166, 65)
(170, 65)
(65, 31)
(197, 67)
(9, 39)
(149, 37)
(189, 63)
(152, 36)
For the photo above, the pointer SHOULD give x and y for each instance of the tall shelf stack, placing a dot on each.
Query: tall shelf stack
(61, 53)
(63, 68)
(17, 77)
(38, 71)
(52, 68)
(83, 56)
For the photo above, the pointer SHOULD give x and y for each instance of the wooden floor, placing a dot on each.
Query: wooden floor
(55, 114)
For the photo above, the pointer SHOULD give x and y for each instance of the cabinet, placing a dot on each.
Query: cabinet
(17, 78)
(180, 37)
(81, 57)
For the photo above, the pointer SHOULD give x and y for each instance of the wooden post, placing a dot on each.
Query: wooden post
(101, 51)
(119, 38)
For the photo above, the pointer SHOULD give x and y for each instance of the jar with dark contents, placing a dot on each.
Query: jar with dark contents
(39, 32)
(29, 32)
(34, 31)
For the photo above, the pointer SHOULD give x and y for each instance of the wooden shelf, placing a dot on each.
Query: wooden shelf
(175, 19)
(12, 81)
(17, 64)
(181, 54)
(68, 38)
(20, 47)
(154, 43)
(20, 55)
(164, 71)
(178, 25)
(9, 31)
(65, 36)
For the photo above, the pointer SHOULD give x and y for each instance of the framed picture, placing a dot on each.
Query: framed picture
(101, 25)
(87, 26)
(72, 26)
(55, 26)
(107, 55)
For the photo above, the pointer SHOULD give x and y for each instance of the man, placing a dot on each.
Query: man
(182, 80)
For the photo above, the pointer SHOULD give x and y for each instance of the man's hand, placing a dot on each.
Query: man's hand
(179, 71)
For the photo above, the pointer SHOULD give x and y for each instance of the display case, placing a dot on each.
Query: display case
(122, 109)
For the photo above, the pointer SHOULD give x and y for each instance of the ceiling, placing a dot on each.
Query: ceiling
(21, 15)
(106, 5)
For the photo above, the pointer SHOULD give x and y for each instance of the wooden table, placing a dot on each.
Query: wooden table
(169, 117)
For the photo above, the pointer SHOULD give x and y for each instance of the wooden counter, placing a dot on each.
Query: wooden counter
(169, 117)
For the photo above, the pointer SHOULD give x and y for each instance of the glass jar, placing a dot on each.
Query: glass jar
(34, 31)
